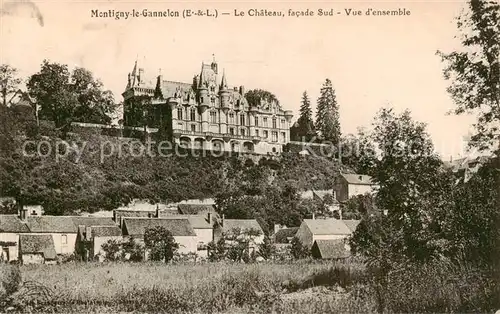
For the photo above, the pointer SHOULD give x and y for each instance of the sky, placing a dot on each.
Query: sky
(372, 61)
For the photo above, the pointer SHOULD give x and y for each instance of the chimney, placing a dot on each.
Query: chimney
(314, 216)
(222, 222)
(23, 213)
(114, 215)
(209, 217)
(360, 178)
(157, 211)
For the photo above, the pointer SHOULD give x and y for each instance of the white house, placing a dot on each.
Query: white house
(351, 184)
(181, 230)
(321, 229)
(229, 226)
(37, 249)
(10, 228)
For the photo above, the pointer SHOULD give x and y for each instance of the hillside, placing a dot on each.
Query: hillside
(81, 181)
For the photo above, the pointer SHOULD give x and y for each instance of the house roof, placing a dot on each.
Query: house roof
(93, 221)
(52, 224)
(352, 224)
(327, 226)
(353, 178)
(330, 249)
(106, 231)
(197, 221)
(283, 234)
(138, 226)
(195, 209)
(12, 224)
(242, 224)
(37, 243)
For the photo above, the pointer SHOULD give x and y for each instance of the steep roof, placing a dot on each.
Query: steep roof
(327, 226)
(352, 224)
(196, 221)
(12, 224)
(36, 244)
(52, 224)
(93, 221)
(242, 224)
(195, 209)
(138, 226)
(353, 178)
(283, 234)
(106, 231)
(329, 249)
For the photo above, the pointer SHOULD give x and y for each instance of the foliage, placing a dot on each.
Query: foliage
(298, 250)
(255, 96)
(359, 206)
(305, 130)
(217, 250)
(161, 244)
(9, 82)
(327, 115)
(111, 249)
(474, 70)
(266, 249)
(65, 97)
(132, 250)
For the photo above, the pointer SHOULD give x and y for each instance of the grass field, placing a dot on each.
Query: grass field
(295, 287)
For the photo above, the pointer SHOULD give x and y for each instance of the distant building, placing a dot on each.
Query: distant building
(351, 184)
(284, 235)
(181, 230)
(322, 229)
(96, 236)
(229, 226)
(466, 167)
(205, 113)
(10, 229)
(37, 249)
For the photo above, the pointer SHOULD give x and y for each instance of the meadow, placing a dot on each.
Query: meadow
(295, 287)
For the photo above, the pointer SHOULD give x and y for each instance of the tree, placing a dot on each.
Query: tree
(9, 82)
(132, 250)
(217, 250)
(327, 115)
(298, 250)
(161, 243)
(474, 71)
(266, 249)
(111, 249)
(305, 124)
(254, 97)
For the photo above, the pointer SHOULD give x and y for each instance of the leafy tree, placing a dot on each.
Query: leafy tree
(359, 206)
(474, 71)
(9, 82)
(358, 152)
(305, 129)
(327, 115)
(266, 249)
(217, 250)
(298, 250)
(161, 243)
(132, 250)
(111, 249)
(254, 97)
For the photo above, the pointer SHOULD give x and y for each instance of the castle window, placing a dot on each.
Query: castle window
(242, 119)
(231, 118)
(243, 132)
(266, 134)
(256, 121)
(265, 122)
(282, 123)
(212, 89)
(193, 114)
(213, 101)
(179, 113)
(274, 123)
(231, 131)
(201, 100)
(193, 127)
(213, 117)
(275, 136)
(283, 137)
(256, 132)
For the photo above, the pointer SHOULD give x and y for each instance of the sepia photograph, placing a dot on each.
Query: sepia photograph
(249, 157)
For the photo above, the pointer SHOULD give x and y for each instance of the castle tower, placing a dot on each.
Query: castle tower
(224, 98)
(203, 100)
(214, 65)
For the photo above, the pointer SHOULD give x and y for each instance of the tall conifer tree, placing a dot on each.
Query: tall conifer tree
(305, 122)
(327, 116)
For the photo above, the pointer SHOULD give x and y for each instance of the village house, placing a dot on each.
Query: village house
(181, 230)
(37, 249)
(330, 249)
(322, 229)
(324, 198)
(10, 229)
(248, 228)
(351, 184)
(95, 236)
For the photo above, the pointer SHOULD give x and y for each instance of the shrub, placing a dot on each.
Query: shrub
(10, 280)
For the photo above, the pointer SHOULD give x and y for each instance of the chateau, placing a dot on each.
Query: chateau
(206, 113)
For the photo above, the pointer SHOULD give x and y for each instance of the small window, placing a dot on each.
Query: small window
(256, 132)
(243, 132)
(275, 136)
(193, 114)
(231, 131)
(283, 137)
(213, 101)
(213, 116)
(274, 123)
(64, 239)
(242, 119)
(231, 118)
(179, 113)
(256, 121)
(282, 123)
(265, 122)
(193, 127)
(266, 134)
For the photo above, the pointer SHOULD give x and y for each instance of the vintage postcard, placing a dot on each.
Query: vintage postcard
(249, 157)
